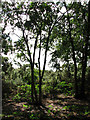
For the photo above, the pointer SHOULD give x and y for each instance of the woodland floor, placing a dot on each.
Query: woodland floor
(59, 108)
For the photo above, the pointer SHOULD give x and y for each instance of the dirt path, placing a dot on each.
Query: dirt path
(59, 108)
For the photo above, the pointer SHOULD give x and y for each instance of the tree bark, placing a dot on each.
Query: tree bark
(41, 76)
(75, 67)
(33, 88)
(84, 62)
(73, 52)
(40, 90)
(40, 79)
(32, 84)
(32, 70)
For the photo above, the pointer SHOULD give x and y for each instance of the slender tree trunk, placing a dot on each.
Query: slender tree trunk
(41, 76)
(35, 45)
(40, 90)
(36, 99)
(32, 85)
(76, 82)
(84, 62)
(75, 68)
(40, 79)
(33, 90)
(74, 58)
(82, 92)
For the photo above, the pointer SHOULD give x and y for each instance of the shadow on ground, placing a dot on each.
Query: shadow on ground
(60, 107)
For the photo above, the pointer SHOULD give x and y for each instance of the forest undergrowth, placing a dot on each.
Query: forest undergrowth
(54, 107)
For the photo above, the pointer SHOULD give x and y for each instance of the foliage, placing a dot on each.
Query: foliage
(36, 21)
(72, 43)
(23, 93)
(45, 27)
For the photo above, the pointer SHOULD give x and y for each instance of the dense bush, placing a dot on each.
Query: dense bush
(6, 89)
(53, 82)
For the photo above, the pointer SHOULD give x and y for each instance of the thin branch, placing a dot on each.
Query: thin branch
(60, 17)
(35, 45)
(16, 35)
(39, 56)
(29, 52)
(46, 52)
(26, 56)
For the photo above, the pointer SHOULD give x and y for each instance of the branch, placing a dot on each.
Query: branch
(39, 56)
(29, 52)
(17, 35)
(35, 45)
(26, 56)
(46, 52)
(60, 17)
(71, 40)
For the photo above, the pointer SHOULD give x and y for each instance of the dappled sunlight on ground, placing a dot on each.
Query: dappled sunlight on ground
(60, 107)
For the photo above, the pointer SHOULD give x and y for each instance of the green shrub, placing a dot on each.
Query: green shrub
(23, 93)
(6, 89)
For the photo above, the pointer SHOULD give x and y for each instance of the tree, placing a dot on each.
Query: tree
(73, 52)
(86, 50)
(36, 22)
(73, 41)
(84, 45)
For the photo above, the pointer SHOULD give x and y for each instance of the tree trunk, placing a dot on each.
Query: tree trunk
(73, 56)
(75, 68)
(40, 79)
(32, 85)
(74, 59)
(76, 82)
(84, 62)
(40, 90)
(82, 92)
(33, 90)
(68, 67)
(41, 76)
